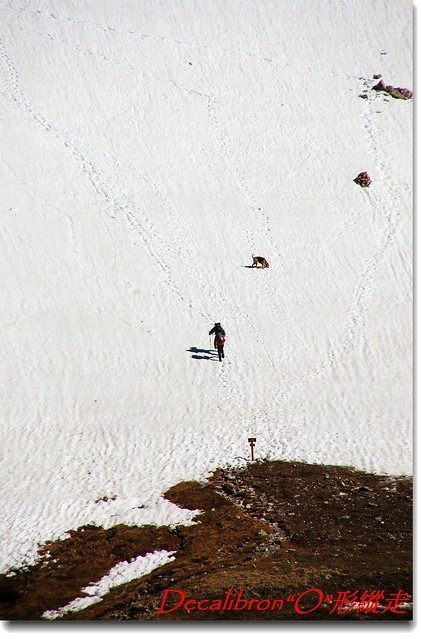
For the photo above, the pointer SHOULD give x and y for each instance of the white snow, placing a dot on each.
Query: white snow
(148, 149)
(120, 574)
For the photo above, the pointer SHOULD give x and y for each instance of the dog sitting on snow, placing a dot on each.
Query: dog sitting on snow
(260, 260)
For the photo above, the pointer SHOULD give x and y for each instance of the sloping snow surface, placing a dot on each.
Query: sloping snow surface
(149, 148)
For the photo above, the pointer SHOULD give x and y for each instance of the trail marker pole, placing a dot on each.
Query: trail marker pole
(252, 442)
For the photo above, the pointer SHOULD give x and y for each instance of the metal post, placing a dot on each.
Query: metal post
(252, 441)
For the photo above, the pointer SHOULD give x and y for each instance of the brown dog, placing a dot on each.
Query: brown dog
(260, 260)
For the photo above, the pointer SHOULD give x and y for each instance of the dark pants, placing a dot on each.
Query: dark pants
(221, 352)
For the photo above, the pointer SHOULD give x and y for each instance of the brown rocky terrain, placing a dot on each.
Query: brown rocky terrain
(315, 537)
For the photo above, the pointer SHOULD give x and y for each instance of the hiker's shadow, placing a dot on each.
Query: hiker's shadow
(196, 351)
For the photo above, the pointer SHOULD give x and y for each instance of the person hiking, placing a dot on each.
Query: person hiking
(219, 340)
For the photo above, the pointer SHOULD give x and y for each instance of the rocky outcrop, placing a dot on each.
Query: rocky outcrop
(363, 179)
(396, 92)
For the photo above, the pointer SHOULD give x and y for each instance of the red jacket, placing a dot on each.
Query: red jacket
(219, 340)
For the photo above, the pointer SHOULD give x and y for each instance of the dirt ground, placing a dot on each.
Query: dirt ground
(298, 541)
